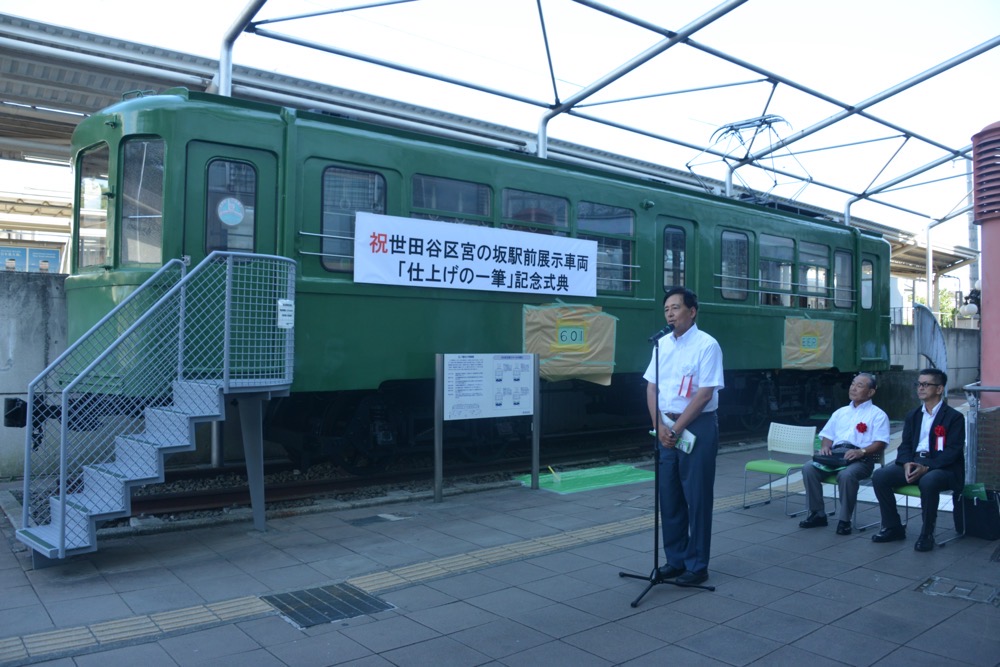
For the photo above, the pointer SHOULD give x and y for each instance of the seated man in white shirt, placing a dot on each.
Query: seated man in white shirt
(866, 428)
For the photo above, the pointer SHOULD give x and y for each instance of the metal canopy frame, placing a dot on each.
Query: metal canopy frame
(246, 23)
(56, 76)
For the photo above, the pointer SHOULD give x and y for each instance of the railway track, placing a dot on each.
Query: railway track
(200, 490)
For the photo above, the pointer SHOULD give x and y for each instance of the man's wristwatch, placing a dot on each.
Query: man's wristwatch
(672, 434)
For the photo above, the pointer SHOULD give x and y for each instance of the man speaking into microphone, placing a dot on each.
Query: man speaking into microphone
(682, 397)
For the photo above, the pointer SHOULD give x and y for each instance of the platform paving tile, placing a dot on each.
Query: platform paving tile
(440, 652)
(791, 656)
(904, 656)
(390, 633)
(783, 577)
(146, 655)
(329, 648)
(558, 620)
(614, 642)
(860, 649)
(500, 638)
(504, 577)
(552, 654)
(452, 617)
(561, 588)
(665, 623)
(730, 645)
(774, 625)
(811, 607)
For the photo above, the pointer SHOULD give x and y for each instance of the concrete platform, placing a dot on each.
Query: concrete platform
(504, 576)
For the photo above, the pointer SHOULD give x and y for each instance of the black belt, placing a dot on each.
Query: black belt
(673, 416)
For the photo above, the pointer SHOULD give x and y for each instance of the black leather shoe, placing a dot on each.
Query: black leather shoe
(813, 521)
(692, 578)
(669, 571)
(890, 535)
(843, 527)
(923, 543)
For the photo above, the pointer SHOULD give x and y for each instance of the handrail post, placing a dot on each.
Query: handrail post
(227, 317)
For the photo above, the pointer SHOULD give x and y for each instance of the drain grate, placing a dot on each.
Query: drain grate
(326, 604)
(954, 588)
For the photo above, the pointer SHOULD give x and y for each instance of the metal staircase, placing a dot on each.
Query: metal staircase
(102, 416)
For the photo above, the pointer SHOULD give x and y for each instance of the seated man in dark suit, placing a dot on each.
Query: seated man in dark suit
(931, 455)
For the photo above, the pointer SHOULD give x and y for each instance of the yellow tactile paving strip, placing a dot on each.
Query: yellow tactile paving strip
(16, 650)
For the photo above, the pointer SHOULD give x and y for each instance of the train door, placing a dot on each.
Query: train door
(231, 200)
(871, 345)
(677, 239)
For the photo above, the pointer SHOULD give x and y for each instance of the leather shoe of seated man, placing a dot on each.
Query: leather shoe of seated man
(669, 571)
(894, 534)
(814, 520)
(690, 578)
(843, 527)
(924, 543)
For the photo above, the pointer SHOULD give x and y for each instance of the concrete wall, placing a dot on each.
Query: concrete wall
(963, 353)
(32, 335)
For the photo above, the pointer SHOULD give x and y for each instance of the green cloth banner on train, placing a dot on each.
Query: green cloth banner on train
(808, 344)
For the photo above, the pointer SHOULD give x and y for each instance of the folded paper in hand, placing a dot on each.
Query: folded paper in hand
(685, 440)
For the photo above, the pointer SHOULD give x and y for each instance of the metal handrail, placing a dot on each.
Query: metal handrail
(120, 380)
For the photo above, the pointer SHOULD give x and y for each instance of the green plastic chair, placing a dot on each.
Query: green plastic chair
(785, 439)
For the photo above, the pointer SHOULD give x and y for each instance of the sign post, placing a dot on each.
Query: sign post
(485, 386)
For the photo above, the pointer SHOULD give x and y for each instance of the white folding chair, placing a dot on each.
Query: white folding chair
(785, 439)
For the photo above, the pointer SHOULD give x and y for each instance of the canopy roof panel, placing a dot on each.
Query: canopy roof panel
(827, 109)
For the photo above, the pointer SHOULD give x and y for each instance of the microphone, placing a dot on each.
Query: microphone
(661, 333)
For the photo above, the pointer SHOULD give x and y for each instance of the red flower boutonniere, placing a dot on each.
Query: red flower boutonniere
(862, 427)
(938, 444)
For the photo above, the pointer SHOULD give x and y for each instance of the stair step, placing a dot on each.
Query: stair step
(138, 459)
(201, 399)
(168, 427)
(105, 487)
(45, 540)
(91, 505)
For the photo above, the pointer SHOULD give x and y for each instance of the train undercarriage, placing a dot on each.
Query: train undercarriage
(365, 432)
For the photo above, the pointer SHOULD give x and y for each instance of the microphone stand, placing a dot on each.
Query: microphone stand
(654, 577)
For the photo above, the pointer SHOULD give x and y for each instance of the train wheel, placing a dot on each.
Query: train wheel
(371, 442)
(486, 441)
(755, 418)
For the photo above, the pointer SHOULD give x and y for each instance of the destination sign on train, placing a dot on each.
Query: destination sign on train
(391, 250)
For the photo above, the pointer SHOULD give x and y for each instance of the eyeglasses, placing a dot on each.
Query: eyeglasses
(924, 385)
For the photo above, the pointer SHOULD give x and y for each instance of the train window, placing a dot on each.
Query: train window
(843, 279)
(867, 282)
(814, 267)
(673, 258)
(735, 249)
(460, 201)
(777, 255)
(92, 244)
(613, 228)
(142, 202)
(231, 203)
(345, 192)
(536, 211)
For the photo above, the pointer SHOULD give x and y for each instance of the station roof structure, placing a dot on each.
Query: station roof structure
(54, 76)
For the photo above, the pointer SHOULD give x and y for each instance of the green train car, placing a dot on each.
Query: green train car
(181, 174)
